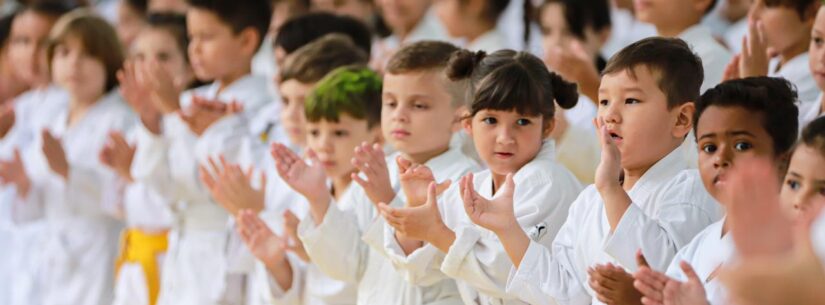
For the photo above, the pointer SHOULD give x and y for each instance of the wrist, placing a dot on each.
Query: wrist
(318, 209)
(441, 237)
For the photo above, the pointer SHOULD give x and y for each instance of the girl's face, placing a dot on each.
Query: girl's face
(27, 47)
(506, 140)
(784, 29)
(804, 185)
(403, 15)
(335, 142)
(129, 24)
(158, 46)
(556, 33)
(76, 71)
(816, 51)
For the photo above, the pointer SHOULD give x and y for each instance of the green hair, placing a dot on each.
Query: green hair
(353, 90)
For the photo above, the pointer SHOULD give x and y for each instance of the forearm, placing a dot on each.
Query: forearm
(281, 272)
(616, 202)
(515, 242)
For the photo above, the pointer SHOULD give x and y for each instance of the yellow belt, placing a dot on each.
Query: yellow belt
(142, 248)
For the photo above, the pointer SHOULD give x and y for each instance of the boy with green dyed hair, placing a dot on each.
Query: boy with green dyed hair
(342, 111)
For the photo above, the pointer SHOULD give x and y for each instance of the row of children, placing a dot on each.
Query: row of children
(207, 177)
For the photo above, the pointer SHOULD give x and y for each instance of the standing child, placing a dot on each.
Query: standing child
(644, 196)
(418, 118)
(681, 18)
(726, 135)
(158, 53)
(511, 115)
(203, 265)
(73, 187)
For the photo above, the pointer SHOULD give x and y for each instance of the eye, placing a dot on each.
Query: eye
(341, 133)
(523, 122)
(421, 106)
(631, 101)
(391, 104)
(489, 120)
(603, 103)
(817, 40)
(793, 184)
(821, 191)
(709, 148)
(163, 57)
(742, 146)
(314, 132)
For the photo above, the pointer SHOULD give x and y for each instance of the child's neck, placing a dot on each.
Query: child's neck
(340, 185)
(229, 79)
(677, 27)
(633, 175)
(478, 30)
(793, 51)
(424, 157)
(79, 106)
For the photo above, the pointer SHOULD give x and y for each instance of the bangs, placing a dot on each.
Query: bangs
(510, 88)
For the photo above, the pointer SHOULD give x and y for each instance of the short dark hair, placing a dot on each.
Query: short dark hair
(813, 135)
(679, 69)
(429, 55)
(141, 6)
(773, 100)
(800, 6)
(98, 38)
(314, 61)
(5, 29)
(173, 23)
(352, 90)
(299, 31)
(510, 80)
(240, 15)
(581, 14)
(51, 8)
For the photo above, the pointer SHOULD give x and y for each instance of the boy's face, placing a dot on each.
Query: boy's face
(416, 115)
(156, 46)
(725, 135)
(27, 47)
(79, 73)
(293, 95)
(635, 112)
(804, 185)
(215, 51)
(816, 50)
(505, 140)
(335, 142)
(784, 29)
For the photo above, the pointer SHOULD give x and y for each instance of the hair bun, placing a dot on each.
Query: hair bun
(566, 93)
(462, 63)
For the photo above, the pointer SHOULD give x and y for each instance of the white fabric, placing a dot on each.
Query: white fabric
(798, 73)
(355, 254)
(580, 152)
(82, 237)
(734, 34)
(488, 42)
(714, 56)
(625, 29)
(810, 111)
(670, 206)
(477, 260)
(706, 253)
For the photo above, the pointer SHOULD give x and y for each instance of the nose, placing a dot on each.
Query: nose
(611, 114)
(723, 157)
(326, 143)
(400, 114)
(504, 135)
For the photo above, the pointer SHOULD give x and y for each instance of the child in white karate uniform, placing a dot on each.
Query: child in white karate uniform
(204, 261)
(419, 116)
(644, 196)
(727, 135)
(427, 240)
(75, 190)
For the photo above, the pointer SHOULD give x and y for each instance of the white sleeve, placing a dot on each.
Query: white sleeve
(335, 245)
(545, 275)
(272, 293)
(227, 136)
(150, 165)
(680, 216)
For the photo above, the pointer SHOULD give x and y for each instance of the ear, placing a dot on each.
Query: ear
(461, 116)
(248, 39)
(683, 122)
(548, 128)
(467, 124)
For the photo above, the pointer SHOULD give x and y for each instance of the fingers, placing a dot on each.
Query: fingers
(641, 261)
(403, 164)
(432, 194)
(508, 188)
(443, 186)
(649, 284)
(689, 272)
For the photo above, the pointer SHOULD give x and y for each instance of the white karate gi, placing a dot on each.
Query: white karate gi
(82, 232)
(477, 259)
(670, 206)
(798, 73)
(489, 42)
(348, 244)
(713, 54)
(809, 111)
(706, 253)
(204, 263)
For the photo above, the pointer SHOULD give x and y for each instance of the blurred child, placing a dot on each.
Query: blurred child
(644, 196)
(204, 261)
(727, 136)
(474, 22)
(816, 63)
(511, 115)
(158, 52)
(409, 21)
(264, 61)
(363, 10)
(418, 118)
(73, 188)
(782, 28)
(681, 18)
(167, 6)
(12, 84)
(342, 112)
(131, 18)
(301, 30)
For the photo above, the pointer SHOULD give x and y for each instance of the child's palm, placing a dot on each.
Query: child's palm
(264, 244)
(495, 214)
